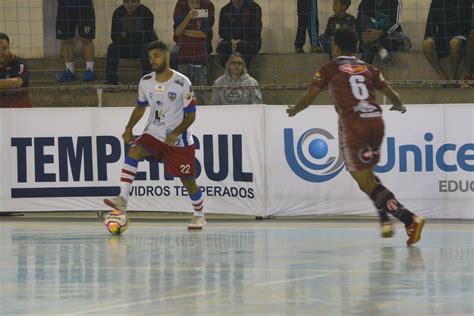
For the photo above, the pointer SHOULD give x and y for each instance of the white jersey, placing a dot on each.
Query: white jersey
(169, 102)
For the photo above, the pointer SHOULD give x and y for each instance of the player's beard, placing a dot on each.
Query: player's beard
(160, 68)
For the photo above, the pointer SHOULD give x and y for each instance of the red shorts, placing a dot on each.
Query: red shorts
(360, 143)
(179, 161)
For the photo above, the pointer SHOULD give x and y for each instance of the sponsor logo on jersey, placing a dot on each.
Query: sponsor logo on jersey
(353, 69)
(171, 96)
(159, 88)
(179, 82)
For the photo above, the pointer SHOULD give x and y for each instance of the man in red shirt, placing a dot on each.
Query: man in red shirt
(352, 84)
(13, 75)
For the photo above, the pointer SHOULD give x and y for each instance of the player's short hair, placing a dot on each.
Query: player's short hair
(5, 37)
(346, 3)
(158, 45)
(346, 39)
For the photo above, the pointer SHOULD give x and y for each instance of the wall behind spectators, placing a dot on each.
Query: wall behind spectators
(31, 23)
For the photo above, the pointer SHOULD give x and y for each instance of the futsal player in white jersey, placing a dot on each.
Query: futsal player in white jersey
(167, 136)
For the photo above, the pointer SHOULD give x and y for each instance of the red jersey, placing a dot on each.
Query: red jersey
(352, 85)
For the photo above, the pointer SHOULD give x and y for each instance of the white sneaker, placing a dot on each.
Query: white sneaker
(117, 203)
(384, 56)
(198, 222)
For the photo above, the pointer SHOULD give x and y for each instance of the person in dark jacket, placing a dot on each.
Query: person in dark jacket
(340, 19)
(13, 75)
(240, 27)
(378, 25)
(447, 28)
(132, 31)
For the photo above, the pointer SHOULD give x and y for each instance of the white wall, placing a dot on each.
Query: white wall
(23, 21)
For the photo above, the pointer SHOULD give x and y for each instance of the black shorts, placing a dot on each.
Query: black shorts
(72, 14)
(442, 45)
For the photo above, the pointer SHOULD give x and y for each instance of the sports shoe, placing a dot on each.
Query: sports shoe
(299, 50)
(117, 203)
(198, 222)
(414, 230)
(386, 230)
(317, 49)
(66, 76)
(384, 56)
(89, 75)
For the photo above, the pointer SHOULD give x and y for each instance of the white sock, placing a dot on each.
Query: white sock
(70, 66)
(90, 65)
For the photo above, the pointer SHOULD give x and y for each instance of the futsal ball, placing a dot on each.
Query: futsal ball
(116, 222)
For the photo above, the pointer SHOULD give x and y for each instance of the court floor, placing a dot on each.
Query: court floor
(246, 267)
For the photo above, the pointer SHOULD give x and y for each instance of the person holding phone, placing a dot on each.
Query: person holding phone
(192, 31)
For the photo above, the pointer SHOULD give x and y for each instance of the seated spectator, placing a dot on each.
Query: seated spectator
(13, 75)
(469, 57)
(447, 29)
(240, 27)
(74, 14)
(307, 21)
(181, 8)
(132, 31)
(340, 19)
(379, 29)
(230, 87)
(192, 33)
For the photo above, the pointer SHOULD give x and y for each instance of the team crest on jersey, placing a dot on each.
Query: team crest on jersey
(87, 29)
(353, 69)
(188, 97)
(159, 88)
(317, 76)
(171, 96)
(179, 82)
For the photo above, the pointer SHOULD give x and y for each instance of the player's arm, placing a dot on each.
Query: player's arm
(304, 101)
(395, 98)
(137, 114)
(189, 119)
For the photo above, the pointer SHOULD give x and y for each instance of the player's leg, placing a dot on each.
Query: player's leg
(135, 153)
(386, 200)
(197, 200)
(181, 162)
(430, 49)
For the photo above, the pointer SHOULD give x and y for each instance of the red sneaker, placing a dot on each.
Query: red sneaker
(414, 230)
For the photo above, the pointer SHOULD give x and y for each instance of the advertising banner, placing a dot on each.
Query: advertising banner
(251, 160)
(69, 159)
(427, 160)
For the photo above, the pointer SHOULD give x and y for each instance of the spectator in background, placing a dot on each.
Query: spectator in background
(233, 87)
(13, 75)
(340, 19)
(378, 23)
(74, 14)
(447, 29)
(181, 8)
(307, 21)
(469, 57)
(192, 31)
(240, 27)
(132, 31)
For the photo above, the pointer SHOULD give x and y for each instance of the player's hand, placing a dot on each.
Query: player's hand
(128, 136)
(171, 139)
(291, 110)
(399, 107)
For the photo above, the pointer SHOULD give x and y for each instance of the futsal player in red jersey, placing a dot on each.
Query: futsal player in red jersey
(352, 84)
